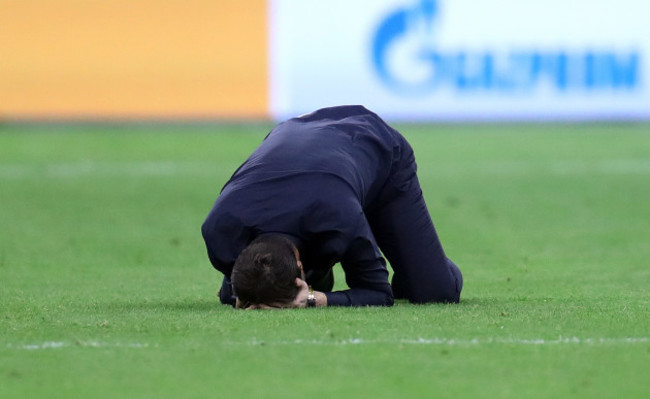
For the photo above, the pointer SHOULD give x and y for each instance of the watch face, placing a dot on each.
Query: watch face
(311, 299)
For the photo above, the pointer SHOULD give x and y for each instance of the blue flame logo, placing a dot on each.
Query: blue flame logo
(396, 26)
(408, 62)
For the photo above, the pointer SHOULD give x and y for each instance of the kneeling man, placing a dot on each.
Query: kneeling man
(336, 185)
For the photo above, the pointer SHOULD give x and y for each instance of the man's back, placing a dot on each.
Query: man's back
(310, 179)
(349, 142)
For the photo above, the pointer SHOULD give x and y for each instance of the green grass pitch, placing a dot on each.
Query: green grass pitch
(106, 291)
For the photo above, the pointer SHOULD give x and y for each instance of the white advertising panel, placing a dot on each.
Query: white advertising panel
(428, 60)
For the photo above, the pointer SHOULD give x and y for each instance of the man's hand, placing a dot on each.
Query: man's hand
(241, 305)
(301, 298)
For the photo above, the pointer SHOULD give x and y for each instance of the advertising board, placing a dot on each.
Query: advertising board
(462, 59)
(133, 59)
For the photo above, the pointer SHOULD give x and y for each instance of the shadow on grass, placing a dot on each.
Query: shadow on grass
(485, 301)
(203, 305)
(181, 305)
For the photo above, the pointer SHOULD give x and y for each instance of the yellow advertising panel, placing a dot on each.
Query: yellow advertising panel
(80, 59)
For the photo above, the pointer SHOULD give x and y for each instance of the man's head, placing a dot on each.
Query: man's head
(266, 270)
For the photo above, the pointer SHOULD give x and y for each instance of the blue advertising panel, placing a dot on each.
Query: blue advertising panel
(462, 59)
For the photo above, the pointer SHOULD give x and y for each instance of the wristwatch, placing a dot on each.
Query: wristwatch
(311, 299)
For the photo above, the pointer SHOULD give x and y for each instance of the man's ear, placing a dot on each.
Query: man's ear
(299, 282)
(302, 270)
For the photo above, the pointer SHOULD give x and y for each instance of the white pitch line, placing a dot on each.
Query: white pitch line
(458, 341)
(104, 169)
(196, 168)
(77, 344)
(550, 167)
(360, 341)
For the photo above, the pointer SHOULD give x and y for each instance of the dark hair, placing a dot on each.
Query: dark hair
(265, 271)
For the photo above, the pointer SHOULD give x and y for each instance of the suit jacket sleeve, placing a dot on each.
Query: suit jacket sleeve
(365, 274)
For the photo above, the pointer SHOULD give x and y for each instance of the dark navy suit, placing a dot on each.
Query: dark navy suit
(341, 184)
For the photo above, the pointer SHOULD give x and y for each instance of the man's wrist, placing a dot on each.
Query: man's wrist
(321, 298)
(311, 299)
